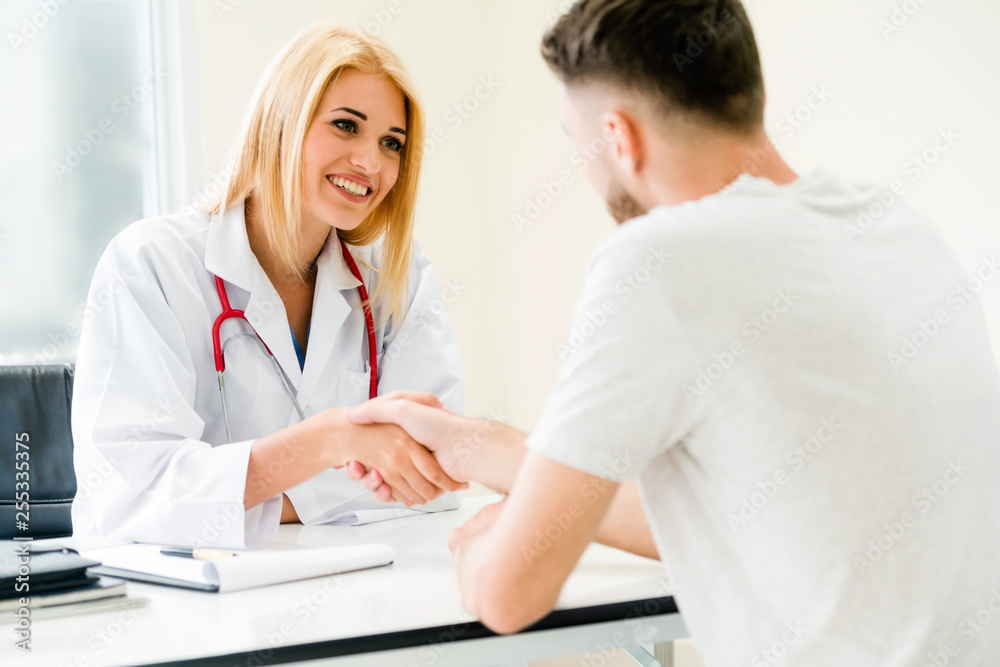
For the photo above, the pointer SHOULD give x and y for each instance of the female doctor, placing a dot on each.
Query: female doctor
(196, 424)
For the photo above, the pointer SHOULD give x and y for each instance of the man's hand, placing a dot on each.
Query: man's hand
(430, 424)
(482, 450)
(371, 479)
(433, 426)
(414, 474)
(464, 536)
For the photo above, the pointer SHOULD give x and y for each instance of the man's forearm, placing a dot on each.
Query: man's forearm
(487, 452)
(490, 453)
(626, 526)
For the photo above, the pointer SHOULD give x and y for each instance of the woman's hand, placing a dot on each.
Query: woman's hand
(453, 440)
(405, 465)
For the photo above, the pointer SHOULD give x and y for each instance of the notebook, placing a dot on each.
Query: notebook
(117, 603)
(29, 569)
(101, 587)
(248, 569)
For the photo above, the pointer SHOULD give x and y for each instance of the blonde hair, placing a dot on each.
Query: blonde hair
(268, 154)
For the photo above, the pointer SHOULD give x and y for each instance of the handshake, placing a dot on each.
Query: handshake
(410, 448)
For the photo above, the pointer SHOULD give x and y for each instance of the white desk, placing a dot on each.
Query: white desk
(408, 613)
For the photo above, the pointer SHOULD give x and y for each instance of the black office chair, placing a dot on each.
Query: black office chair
(37, 439)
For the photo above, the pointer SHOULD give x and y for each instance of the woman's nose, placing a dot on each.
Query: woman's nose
(365, 157)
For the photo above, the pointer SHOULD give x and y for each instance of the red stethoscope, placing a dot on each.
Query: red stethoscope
(228, 312)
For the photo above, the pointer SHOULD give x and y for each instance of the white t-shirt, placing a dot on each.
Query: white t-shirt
(802, 382)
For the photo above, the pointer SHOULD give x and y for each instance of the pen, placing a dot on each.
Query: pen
(197, 554)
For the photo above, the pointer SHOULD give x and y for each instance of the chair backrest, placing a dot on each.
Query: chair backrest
(38, 440)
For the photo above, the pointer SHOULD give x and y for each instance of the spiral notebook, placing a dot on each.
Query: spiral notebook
(248, 569)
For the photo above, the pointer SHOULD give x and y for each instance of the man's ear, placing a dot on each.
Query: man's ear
(626, 142)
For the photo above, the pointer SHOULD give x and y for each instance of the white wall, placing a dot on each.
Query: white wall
(890, 95)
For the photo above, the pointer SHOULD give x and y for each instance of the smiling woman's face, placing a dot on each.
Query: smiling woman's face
(352, 150)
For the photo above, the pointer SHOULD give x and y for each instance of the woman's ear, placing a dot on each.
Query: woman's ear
(626, 142)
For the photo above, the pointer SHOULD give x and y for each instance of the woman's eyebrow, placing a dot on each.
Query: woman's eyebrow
(362, 116)
(352, 111)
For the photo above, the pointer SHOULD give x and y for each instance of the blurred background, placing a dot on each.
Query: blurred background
(115, 110)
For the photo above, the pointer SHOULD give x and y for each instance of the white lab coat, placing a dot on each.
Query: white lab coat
(151, 454)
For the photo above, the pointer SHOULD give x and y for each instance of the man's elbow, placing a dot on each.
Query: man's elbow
(508, 604)
(506, 610)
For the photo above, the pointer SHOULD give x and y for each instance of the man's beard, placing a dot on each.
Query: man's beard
(621, 204)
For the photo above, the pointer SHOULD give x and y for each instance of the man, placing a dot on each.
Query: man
(810, 409)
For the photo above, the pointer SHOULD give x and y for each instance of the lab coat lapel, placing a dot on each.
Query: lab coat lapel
(331, 308)
(228, 255)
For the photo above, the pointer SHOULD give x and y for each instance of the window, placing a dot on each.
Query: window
(79, 160)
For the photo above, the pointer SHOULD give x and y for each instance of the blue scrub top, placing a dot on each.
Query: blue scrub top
(298, 350)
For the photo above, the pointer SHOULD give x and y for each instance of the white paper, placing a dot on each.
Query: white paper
(262, 568)
(361, 517)
(248, 569)
(365, 509)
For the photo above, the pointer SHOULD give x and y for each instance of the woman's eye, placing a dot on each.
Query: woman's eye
(346, 125)
(393, 144)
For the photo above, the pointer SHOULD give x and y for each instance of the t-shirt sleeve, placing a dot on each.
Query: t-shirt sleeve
(619, 400)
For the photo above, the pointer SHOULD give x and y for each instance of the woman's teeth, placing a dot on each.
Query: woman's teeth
(355, 189)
